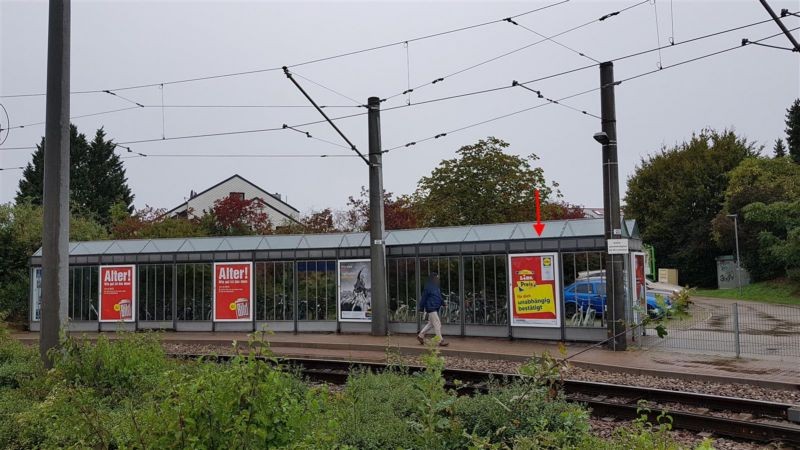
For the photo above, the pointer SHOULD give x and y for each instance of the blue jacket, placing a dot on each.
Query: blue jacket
(431, 298)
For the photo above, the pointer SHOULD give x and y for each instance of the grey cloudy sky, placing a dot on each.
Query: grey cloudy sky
(118, 44)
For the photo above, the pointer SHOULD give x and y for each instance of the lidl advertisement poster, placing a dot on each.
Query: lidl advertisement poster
(534, 294)
(117, 293)
(233, 292)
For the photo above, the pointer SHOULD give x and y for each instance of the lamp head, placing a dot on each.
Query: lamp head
(602, 138)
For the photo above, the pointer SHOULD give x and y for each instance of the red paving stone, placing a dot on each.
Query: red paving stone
(775, 372)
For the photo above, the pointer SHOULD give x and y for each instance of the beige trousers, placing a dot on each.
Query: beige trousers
(433, 322)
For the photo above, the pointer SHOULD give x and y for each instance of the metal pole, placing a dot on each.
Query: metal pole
(615, 283)
(738, 261)
(737, 344)
(781, 25)
(377, 248)
(55, 239)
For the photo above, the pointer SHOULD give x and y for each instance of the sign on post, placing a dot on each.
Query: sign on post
(117, 299)
(533, 290)
(618, 247)
(233, 292)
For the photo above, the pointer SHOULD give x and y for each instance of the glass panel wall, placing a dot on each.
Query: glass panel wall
(583, 275)
(447, 267)
(195, 291)
(274, 290)
(485, 289)
(154, 291)
(84, 283)
(316, 290)
(401, 279)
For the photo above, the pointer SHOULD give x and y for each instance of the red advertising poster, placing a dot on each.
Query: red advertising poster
(638, 281)
(117, 293)
(233, 292)
(533, 290)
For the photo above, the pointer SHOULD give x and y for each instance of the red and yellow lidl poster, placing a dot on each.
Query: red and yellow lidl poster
(534, 294)
(233, 292)
(117, 293)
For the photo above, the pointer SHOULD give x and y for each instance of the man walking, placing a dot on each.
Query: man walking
(430, 303)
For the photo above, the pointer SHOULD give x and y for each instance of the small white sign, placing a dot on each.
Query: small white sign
(618, 247)
(378, 241)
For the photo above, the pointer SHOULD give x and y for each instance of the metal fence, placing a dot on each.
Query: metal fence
(740, 329)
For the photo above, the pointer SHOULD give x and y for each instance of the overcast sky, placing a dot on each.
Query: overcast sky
(117, 44)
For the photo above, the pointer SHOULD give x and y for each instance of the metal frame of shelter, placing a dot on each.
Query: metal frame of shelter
(459, 244)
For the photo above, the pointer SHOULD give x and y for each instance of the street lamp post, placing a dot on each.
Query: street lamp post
(738, 261)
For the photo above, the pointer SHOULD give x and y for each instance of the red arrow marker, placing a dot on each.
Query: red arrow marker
(538, 226)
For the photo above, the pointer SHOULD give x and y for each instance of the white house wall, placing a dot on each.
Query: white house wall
(205, 201)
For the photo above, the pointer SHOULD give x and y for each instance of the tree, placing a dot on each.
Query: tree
(793, 130)
(483, 184)
(20, 236)
(235, 216)
(97, 177)
(676, 193)
(761, 192)
(151, 223)
(561, 210)
(398, 212)
(779, 150)
(324, 221)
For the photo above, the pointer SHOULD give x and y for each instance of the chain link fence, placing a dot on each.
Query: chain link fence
(740, 329)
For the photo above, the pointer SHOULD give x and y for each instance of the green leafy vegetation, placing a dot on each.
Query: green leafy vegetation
(780, 291)
(676, 193)
(125, 393)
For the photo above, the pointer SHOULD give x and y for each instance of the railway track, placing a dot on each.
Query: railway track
(738, 418)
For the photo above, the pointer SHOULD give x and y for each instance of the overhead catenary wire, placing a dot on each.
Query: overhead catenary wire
(446, 98)
(302, 63)
(672, 22)
(560, 44)
(516, 50)
(358, 103)
(747, 41)
(290, 76)
(310, 136)
(556, 102)
(618, 82)
(658, 33)
(99, 113)
(109, 92)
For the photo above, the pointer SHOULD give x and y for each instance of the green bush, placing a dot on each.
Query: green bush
(131, 365)
(18, 363)
(126, 394)
(521, 411)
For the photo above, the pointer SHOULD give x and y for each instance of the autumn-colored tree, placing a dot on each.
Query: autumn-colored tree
(152, 223)
(235, 216)
(398, 211)
(561, 210)
(323, 221)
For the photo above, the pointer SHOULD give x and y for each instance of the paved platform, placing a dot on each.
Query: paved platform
(768, 372)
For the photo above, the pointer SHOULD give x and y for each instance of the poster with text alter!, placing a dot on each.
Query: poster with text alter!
(534, 291)
(233, 292)
(117, 293)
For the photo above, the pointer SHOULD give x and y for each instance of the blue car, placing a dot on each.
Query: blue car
(591, 292)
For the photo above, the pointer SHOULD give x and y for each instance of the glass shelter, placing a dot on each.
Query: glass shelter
(492, 277)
